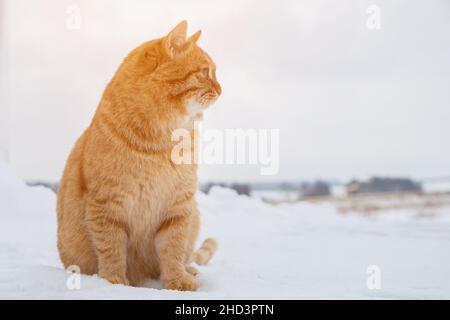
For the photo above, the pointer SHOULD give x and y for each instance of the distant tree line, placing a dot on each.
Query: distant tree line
(50, 185)
(240, 188)
(318, 188)
(383, 185)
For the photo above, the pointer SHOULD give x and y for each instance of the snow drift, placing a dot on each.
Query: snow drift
(293, 251)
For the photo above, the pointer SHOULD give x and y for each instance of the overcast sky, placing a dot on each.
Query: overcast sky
(349, 101)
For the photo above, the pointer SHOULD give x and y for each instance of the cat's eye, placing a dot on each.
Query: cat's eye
(205, 72)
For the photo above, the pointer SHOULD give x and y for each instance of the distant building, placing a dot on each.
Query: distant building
(315, 189)
(381, 185)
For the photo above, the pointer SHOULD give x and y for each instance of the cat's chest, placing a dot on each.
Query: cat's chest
(156, 189)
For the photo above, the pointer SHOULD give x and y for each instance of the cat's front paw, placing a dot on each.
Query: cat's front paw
(118, 280)
(186, 282)
(192, 270)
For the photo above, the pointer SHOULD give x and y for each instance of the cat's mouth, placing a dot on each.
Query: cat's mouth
(207, 99)
(196, 106)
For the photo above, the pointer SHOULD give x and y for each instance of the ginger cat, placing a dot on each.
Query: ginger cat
(125, 210)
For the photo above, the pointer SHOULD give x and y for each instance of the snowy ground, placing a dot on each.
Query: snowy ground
(299, 251)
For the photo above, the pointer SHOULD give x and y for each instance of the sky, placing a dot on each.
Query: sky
(349, 101)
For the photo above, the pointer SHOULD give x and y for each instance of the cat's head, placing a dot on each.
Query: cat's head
(174, 73)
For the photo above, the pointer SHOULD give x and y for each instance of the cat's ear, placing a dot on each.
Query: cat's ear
(194, 38)
(175, 40)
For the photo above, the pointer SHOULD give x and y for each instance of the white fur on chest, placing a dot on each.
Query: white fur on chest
(194, 109)
(194, 112)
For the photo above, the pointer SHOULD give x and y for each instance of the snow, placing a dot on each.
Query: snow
(291, 251)
(437, 186)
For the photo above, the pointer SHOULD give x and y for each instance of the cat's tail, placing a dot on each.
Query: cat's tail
(206, 251)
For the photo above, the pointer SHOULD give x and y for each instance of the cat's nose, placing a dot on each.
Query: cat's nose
(217, 87)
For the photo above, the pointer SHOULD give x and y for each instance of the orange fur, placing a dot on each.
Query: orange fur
(125, 210)
(205, 252)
